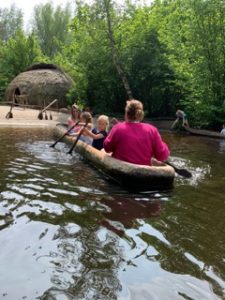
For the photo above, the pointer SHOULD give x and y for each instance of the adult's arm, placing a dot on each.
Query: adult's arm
(161, 150)
(109, 142)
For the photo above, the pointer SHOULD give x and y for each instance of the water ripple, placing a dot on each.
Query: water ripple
(63, 192)
(43, 152)
(10, 195)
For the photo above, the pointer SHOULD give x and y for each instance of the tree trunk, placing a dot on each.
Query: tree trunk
(115, 56)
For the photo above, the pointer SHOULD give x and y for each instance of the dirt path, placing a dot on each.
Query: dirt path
(29, 117)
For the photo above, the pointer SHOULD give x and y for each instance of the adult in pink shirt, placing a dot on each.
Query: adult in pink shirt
(133, 141)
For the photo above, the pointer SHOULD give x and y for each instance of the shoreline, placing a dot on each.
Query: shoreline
(27, 117)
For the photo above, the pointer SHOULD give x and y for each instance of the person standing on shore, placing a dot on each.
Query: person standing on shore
(181, 116)
(222, 132)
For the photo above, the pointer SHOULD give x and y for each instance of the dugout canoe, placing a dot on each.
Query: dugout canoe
(128, 175)
(206, 133)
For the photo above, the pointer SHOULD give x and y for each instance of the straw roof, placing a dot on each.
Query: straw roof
(42, 83)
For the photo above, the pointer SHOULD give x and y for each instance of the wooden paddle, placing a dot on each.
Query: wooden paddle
(9, 115)
(40, 115)
(75, 142)
(53, 145)
(181, 172)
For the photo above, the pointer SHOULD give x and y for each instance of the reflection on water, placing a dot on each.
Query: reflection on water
(66, 233)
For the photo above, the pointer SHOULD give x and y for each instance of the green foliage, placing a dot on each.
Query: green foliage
(16, 55)
(172, 53)
(193, 33)
(141, 55)
(89, 60)
(151, 76)
(51, 27)
(11, 20)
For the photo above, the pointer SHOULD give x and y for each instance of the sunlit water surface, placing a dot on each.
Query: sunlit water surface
(67, 233)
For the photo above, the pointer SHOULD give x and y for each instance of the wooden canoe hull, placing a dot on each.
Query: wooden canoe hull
(206, 133)
(130, 176)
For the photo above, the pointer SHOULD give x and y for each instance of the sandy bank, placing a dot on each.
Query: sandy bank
(29, 118)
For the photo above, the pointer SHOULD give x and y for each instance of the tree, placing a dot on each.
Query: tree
(129, 36)
(16, 55)
(11, 20)
(88, 60)
(115, 57)
(193, 34)
(51, 27)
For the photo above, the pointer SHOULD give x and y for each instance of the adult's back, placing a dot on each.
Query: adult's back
(134, 141)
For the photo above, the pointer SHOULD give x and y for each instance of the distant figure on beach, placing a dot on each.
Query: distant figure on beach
(222, 132)
(181, 116)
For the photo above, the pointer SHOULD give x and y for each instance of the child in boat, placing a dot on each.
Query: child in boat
(181, 116)
(100, 133)
(112, 123)
(222, 132)
(74, 118)
(85, 118)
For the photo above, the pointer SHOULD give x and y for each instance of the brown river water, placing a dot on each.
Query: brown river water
(67, 233)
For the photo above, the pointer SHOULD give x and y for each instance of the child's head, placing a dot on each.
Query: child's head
(75, 111)
(86, 117)
(113, 121)
(102, 122)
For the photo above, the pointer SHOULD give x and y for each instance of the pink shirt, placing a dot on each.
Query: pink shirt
(71, 123)
(136, 143)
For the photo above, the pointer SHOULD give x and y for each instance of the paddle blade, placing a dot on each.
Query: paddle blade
(183, 172)
(9, 115)
(40, 115)
(53, 145)
(71, 149)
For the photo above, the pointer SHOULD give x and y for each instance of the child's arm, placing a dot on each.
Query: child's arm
(89, 125)
(92, 135)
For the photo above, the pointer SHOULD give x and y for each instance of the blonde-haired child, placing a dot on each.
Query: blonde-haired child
(99, 134)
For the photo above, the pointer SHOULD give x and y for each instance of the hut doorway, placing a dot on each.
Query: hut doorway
(20, 99)
(15, 96)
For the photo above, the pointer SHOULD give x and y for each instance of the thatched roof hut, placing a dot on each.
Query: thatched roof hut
(40, 83)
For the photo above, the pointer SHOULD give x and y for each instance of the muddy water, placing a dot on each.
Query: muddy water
(67, 233)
